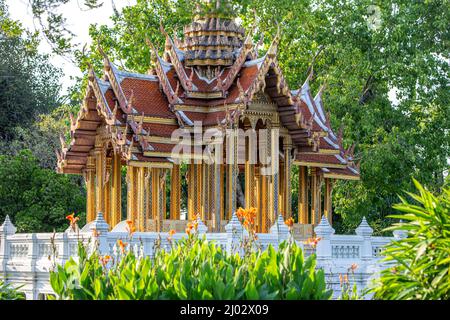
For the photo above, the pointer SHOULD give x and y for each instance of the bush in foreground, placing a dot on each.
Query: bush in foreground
(193, 269)
(421, 261)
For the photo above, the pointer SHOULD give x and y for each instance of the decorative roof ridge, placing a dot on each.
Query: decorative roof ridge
(102, 105)
(171, 95)
(122, 74)
(246, 49)
(110, 72)
(178, 66)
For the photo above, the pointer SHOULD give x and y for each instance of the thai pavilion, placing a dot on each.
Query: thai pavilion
(214, 77)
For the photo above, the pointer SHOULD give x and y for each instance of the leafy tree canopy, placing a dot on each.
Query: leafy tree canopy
(37, 200)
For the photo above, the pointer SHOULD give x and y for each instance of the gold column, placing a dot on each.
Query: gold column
(191, 190)
(107, 191)
(140, 201)
(315, 196)
(194, 190)
(175, 193)
(287, 185)
(198, 187)
(205, 192)
(282, 194)
(100, 176)
(232, 171)
(303, 195)
(158, 190)
(90, 190)
(222, 193)
(132, 193)
(250, 181)
(328, 199)
(116, 191)
(148, 189)
(274, 208)
(259, 215)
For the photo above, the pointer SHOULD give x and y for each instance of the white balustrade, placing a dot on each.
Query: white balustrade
(27, 259)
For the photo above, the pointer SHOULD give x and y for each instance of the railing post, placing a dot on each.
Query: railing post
(400, 234)
(234, 233)
(324, 231)
(281, 229)
(6, 229)
(100, 230)
(201, 228)
(365, 231)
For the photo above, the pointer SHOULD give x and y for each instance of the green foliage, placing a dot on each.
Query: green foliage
(193, 269)
(29, 84)
(9, 293)
(421, 267)
(37, 200)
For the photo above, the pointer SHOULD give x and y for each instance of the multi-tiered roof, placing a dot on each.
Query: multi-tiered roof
(214, 69)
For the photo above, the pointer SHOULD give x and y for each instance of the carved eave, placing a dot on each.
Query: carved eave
(110, 71)
(237, 66)
(160, 67)
(186, 82)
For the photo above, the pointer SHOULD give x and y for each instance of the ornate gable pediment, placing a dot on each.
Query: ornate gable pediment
(261, 102)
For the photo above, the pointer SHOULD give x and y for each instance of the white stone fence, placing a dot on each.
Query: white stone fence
(26, 259)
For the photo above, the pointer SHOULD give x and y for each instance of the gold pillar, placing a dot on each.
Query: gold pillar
(116, 191)
(194, 189)
(259, 215)
(90, 190)
(132, 194)
(175, 193)
(232, 171)
(274, 182)
(303, 195)
(328, 199)
(158, 190)
(107, 191)
(315, 196)
(205, 192)
(140, 199)
(287, 186)
(100, 176)
(148, 190)
(250, 180)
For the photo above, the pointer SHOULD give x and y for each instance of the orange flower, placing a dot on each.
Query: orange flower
(95, 233)
(289, 222)
(313, 241)
(72, 218)
(188, 231)
(353, 267)
(240, 213)
(130, 228)
(340, 279)
(345, 278)
(122, 245)
(104, 260)
(171, 233)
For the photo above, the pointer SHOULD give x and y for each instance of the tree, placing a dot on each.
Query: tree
(364, 53)
(37, 199)
(29, 84)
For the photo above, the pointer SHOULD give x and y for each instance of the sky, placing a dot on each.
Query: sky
(78, 22)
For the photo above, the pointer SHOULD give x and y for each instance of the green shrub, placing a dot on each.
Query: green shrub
(9, 293)
(193, 269)
(421, 267)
